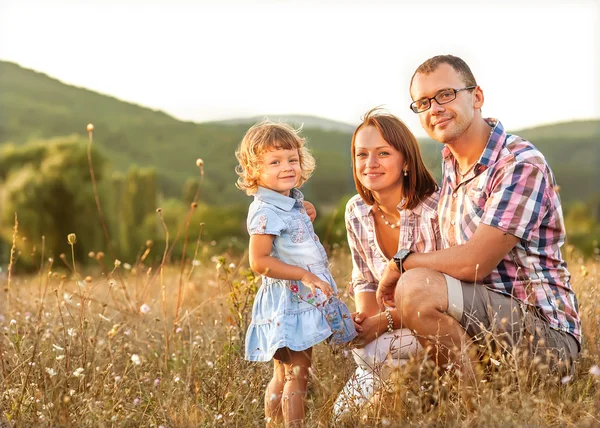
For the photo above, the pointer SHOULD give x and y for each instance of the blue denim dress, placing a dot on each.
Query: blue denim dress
(286, 313)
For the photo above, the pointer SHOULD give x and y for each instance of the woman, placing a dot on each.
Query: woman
(396, 208)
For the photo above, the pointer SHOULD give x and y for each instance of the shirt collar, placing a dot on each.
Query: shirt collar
(492, 149)
(272, 197)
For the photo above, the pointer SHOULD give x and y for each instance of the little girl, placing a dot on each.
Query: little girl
(296, 306)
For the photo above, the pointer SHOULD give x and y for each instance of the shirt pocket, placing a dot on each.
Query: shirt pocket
(298, 230)
(476, 200)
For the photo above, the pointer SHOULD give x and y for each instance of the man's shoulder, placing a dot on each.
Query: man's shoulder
(523, 151)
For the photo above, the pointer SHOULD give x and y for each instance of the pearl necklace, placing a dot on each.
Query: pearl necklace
(392, 225)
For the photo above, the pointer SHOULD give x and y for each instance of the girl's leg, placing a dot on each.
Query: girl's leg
(297, 365)
(273, 394)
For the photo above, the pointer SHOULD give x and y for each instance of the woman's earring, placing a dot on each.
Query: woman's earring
(405, 172)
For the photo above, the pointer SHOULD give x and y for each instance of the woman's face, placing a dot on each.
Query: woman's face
(378, 165)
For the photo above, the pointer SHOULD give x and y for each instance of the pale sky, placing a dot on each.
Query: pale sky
(537, 61)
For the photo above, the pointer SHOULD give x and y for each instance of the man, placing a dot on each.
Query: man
(501, 275)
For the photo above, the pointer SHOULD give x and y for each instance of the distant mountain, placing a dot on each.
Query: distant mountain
(296, 121)
(34, 106)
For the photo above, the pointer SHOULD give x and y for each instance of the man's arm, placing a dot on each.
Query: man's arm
(470, 262)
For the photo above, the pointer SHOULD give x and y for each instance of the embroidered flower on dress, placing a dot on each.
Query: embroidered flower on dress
(294, 288)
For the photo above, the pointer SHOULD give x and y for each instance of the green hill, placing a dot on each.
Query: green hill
(34, 106)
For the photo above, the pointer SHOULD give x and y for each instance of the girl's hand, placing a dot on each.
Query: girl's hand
(311, 280)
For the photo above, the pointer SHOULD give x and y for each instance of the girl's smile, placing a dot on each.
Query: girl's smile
(280, 170)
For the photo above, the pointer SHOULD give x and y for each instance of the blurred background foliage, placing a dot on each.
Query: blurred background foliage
(144, 159)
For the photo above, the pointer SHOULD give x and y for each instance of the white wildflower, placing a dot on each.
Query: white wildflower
(51, 371)
(78, 372)
(231, 266)
(196, 263)
(595, 371)
(135, 359)
(144, 308)
(126, 266)
(566, 379)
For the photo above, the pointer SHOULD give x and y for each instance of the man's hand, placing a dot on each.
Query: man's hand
(387, 286)
(311, 212)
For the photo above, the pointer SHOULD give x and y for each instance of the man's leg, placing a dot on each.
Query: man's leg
(422, 298)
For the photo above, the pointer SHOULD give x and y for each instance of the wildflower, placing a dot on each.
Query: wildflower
(117, 379)
(135, 359)
(566, 379)
(210, 364)
(156, 382)
(126, 266)
(231, 266)
(117, 263)
(199, 163)
(176, 379)
(136, 401)
(595, 371)
(51, 371)
(196, 263)
(71, 238)
(254, 400)
(78, 372)
(144, 308)
(71, 332)
(179, 330)
(13, 322)
(90, 127)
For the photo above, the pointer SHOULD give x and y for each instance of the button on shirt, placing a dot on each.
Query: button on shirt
(513, 189)
(419, 232)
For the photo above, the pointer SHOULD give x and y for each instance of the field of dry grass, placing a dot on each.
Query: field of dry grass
(102, 346)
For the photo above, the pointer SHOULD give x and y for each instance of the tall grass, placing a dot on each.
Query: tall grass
(78, 355)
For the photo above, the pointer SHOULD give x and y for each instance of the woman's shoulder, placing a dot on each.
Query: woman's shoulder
(429, 204)
(356, 206)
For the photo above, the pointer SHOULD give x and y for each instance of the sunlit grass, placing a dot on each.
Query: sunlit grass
(88, 348)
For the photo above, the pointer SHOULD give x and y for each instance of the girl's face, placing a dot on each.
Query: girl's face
(378, 165)
(280, 170)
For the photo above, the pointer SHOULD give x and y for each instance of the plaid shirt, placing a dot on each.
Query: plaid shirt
(419, 231)
(513, 189)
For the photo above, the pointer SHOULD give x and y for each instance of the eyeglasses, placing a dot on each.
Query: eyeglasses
(442, 97)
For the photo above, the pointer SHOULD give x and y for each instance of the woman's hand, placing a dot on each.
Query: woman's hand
(372, 327)
(311, 212)
(313, 281)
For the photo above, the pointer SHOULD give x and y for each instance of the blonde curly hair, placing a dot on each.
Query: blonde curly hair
(266, 136)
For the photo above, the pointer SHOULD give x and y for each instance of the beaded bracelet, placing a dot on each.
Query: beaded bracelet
(390, 320)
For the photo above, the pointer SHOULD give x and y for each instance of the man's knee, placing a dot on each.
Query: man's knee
(419, 291)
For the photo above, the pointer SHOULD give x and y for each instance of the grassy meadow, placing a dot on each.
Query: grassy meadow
(114, 344)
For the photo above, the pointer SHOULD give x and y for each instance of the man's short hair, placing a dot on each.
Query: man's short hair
(455, 62)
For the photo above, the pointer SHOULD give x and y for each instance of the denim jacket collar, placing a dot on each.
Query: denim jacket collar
(272, 197)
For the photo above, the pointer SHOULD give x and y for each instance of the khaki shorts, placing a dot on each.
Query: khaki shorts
(499, 322)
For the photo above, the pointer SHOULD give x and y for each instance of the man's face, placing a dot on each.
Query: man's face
(448, 122)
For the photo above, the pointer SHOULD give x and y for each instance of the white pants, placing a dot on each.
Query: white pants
(375, 363)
